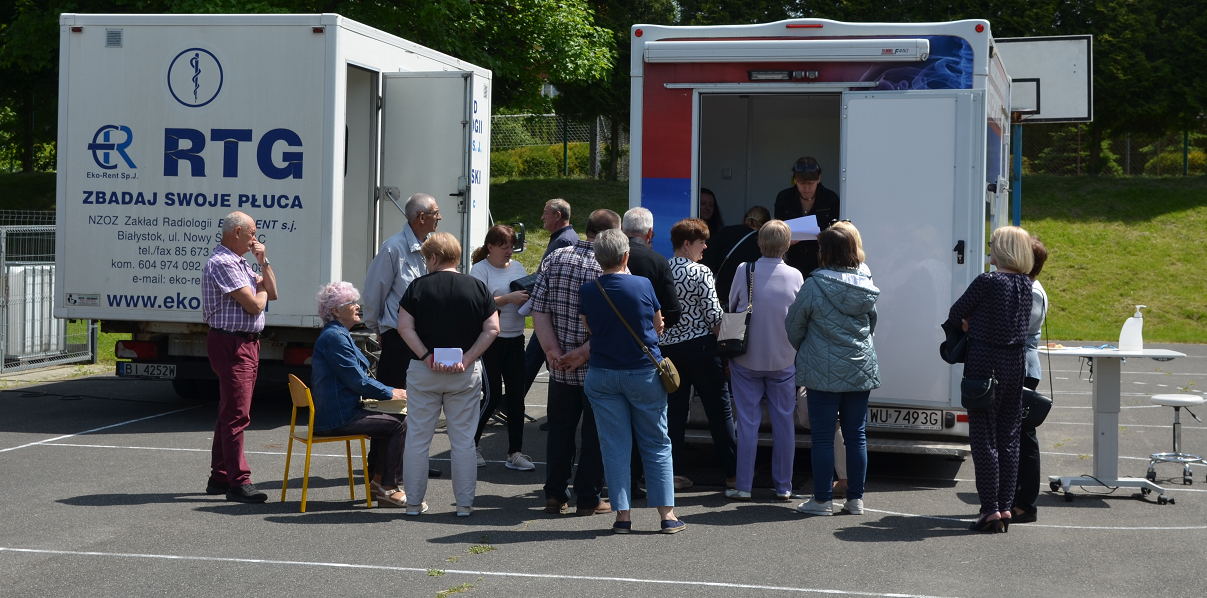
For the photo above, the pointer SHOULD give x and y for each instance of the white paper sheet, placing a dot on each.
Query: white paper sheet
(447, 356)
(804, 228)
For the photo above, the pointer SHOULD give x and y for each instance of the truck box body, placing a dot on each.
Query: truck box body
(167, 123)
(909, 123)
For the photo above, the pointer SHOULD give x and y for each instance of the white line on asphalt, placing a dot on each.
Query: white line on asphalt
(1043, 485)
(13, 448)
(1123, 407)
(710, 584)
(1093, 527)
(198, 450)
(1165, 427)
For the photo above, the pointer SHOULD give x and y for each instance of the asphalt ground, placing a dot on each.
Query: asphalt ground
(103, 495)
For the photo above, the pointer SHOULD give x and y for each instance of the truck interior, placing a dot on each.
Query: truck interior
(748, 143)
(360, 174)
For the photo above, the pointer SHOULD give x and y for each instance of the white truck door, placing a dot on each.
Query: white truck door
(910, 166)
(425, 148)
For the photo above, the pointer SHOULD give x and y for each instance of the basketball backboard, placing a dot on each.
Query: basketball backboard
(1051, 78)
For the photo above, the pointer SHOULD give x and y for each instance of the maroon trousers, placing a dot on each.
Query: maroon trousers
(236, 361)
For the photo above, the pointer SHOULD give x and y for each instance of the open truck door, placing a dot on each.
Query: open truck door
(434, 140)
(911, 165)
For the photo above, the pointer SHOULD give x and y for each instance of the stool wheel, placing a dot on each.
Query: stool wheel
(1068, 497)
(1161, 500)
(1151, 475)
(1144, 492)
(1055, 486)
(1187, 481)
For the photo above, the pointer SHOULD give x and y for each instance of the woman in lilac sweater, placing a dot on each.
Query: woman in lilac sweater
(768, 367)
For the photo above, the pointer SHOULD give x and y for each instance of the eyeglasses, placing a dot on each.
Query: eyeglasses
(805, 167)
(836, 221)
(433, 213)
(347, 303)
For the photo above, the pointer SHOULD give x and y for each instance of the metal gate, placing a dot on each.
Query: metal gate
(30, 336)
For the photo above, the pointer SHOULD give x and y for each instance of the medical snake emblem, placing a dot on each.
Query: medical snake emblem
(195, 62)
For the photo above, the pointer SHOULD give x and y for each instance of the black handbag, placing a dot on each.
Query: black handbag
(1035, 408)
(954, 348)
(525, 283)
(977, 394)
(733, 335)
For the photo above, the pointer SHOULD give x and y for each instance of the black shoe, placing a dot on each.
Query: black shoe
(213, 488)
(1024, 518)
(246, 493)
(434, 473)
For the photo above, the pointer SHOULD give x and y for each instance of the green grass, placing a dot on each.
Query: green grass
(33, 191)
(77, 331)
(1114, 243)
(523, 200)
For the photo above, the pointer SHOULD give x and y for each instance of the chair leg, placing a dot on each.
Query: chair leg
(364, 467)
(351, 483)
(306, 479)
(288, 455)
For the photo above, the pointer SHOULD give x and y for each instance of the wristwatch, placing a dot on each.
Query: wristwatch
(266, 263)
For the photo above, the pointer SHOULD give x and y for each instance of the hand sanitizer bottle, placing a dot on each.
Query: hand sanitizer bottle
(1131, 338)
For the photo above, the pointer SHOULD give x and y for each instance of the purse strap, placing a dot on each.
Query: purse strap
(750, 287)
(626, 323)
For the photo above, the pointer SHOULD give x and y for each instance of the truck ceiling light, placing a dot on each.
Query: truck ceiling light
(77, 29)
(770, 75)
(638, 33)
(980, 28)
(789, 50)
(318, 29)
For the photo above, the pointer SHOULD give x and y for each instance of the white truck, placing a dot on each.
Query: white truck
(910, 124)
(311, 124)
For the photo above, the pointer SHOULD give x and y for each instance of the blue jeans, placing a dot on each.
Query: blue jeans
(851, 411)
(630, 403)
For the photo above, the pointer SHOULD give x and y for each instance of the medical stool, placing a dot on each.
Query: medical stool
(1177, 456)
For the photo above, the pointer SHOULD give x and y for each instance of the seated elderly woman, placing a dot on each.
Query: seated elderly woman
(447, 312)
(339, 378)
(623, 385)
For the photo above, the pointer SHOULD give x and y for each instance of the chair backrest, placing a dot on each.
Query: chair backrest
(300, 393)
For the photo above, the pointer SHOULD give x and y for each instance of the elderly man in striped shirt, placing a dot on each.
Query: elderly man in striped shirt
(233, 301)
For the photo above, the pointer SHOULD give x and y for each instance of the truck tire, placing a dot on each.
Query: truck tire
(196, 389)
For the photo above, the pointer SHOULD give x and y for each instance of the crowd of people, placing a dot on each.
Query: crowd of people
(605, 311)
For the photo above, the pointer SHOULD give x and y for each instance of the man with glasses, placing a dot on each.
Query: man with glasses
(806, 197)
(396, 265)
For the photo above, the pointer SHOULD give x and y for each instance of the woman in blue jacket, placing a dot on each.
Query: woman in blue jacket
(339, 378)
(831, 324)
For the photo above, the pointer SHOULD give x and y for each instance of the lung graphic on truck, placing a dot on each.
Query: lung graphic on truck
(909, 125)
(168, 123)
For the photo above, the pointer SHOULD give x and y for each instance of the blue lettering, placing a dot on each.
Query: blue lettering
(114, 199)
(169, 199)
(297, 202)
(127, 198)
(226, 200)
(293, 160)
(139, 200)
(87, 197)
(243, 199)
(173, 154)
(230, 139)
(270, 201)
(154, 198)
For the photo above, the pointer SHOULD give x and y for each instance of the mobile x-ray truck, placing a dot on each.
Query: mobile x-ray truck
(909, 123)
(314, 125)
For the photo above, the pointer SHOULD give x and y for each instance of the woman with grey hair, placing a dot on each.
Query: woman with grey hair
(339, 378)
(767, 368)
(622, 383)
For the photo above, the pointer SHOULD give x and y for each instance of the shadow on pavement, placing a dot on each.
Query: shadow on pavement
(895, 528)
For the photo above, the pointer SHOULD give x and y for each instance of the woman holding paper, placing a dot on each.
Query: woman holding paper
(449, 319)
(806, 197)
(339, 377)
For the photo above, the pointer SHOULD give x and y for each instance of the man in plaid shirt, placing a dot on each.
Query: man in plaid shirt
(565, 339)
(233, 300)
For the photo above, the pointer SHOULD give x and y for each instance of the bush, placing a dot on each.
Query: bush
(540, 161)
(1170, 163)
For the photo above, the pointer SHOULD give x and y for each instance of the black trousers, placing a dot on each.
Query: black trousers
(534, 358)
(699, 367)
(504, 363)
(1027, 493)
(567, 404)
(387, 435)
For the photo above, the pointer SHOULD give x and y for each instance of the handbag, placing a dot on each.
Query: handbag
(1035, 408)
(954, 348)
(524, 283)
(394, 406)
(733, 335)
(977, 394)
(666, 369)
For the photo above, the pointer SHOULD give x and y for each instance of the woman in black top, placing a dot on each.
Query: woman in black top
(995, 310)
(710, 213)
(736, 244)
(444, 310)
(806, 197)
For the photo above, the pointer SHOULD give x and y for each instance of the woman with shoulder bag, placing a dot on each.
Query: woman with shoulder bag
(624, 318)
(769, 287)
(995, 311)
(831, 324)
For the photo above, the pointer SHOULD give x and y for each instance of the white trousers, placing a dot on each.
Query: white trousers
(458, 395)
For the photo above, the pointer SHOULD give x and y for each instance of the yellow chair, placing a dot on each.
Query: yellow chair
(300, 394)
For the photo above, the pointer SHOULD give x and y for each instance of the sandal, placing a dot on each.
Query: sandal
(395, 498)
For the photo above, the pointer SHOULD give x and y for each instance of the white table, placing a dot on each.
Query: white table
(1105, 403)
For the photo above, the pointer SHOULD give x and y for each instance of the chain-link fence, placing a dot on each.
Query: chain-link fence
(30, 336)
(1065, 149)
(549, 145)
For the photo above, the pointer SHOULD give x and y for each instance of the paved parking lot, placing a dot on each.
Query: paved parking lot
(103, 495)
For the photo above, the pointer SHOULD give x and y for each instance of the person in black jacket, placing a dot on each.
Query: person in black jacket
(806, 197)
(638, 226)
(736, 244)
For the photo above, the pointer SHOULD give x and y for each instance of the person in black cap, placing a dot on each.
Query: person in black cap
(806, 197)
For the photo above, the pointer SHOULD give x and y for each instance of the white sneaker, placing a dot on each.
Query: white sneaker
(520, 461)
(854, 506)
(481, 459)
(464, 511)
(737, 494)
(812, 507)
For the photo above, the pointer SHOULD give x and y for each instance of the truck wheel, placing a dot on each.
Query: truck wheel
(195, 389)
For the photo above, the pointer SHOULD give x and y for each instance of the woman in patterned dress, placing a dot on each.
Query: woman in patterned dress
(995, 310)
(692, 345)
